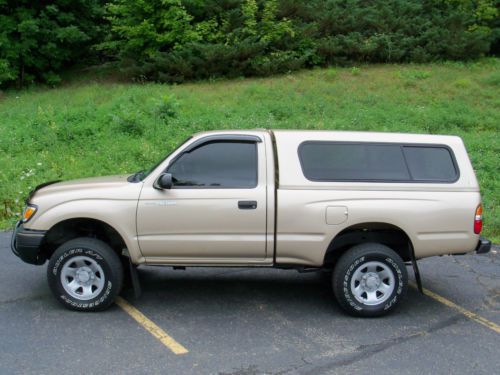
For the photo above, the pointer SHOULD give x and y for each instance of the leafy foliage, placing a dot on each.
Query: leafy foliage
(141, 28)
(178, 40)
(254, 37)
(166, 107)
(39, 38)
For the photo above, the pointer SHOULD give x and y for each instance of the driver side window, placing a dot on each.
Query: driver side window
(223, 164)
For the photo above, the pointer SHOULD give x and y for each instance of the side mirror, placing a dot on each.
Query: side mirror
(164, 181)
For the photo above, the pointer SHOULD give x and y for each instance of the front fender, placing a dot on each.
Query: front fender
(119, 214)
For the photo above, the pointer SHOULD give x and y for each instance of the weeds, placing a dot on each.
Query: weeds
(331, 74)
(166, 106)
(355, 71)
(128, 122)
(492, 79)
(463, 83)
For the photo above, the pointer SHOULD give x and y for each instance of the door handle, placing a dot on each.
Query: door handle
(247, 205)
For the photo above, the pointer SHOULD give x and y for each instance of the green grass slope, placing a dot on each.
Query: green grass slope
(90, 128)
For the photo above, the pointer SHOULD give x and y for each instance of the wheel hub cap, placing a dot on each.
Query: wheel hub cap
(82, 278)
(372, 283)
(84, 274)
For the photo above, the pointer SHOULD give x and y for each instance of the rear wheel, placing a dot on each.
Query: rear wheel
(369, 280)
(85, 274)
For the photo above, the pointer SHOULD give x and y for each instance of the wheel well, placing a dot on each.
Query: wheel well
(387, 234)
(81, 227)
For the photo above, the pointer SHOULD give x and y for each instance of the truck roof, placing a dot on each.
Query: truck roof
(341, 135)
(338, 135)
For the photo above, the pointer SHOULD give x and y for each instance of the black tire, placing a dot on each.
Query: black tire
(353, 263)
(96, 254)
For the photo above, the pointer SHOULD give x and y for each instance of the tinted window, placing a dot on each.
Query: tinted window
(217, 165)
(430, 163)
(337, 161)
(347, 162)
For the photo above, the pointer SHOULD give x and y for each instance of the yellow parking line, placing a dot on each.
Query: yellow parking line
(151, 327)
(469, 314)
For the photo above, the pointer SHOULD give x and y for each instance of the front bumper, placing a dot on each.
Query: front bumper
(483, 246)
(26, 244)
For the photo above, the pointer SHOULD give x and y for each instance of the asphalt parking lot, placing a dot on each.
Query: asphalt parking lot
(254, 321)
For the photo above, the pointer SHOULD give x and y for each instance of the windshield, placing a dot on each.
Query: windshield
(141, 175)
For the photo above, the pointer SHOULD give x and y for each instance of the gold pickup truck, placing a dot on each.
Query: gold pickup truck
(361, 205)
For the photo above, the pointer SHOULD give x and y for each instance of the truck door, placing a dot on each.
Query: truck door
(215, 209)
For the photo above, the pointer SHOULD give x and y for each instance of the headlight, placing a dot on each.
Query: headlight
(28, 212)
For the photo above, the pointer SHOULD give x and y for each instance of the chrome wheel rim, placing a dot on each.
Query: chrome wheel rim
(82, 278)
(372, 283)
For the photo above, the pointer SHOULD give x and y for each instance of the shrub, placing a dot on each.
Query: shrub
(128, 121)
(38, 39)
(462, 83)
(7, 73)
(166, 107)
(178, 40)
(140, 29)
(331, 74)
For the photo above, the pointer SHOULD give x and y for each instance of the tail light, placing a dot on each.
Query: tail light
(478, 219)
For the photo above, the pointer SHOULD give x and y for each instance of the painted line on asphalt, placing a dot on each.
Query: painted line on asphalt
(151, 327)
(469, 314)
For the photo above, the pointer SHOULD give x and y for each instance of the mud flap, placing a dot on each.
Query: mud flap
(415, 269)
(134, 276)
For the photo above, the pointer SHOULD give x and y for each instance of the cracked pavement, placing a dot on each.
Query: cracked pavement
(252, 321)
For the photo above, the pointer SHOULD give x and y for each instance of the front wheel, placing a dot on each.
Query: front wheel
(85, 274)
(369, 280)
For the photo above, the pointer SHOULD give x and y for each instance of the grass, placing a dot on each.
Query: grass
(96, 127)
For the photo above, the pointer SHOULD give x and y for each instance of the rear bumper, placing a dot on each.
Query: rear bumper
(26, 244)
(483, 246)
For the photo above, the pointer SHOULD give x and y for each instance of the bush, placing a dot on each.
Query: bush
(38, 39)
(166, 107)
(128, 121)
(178, 40)
(174, 40)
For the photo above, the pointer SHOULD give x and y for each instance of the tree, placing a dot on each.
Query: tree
(38, 39)
(141, 28)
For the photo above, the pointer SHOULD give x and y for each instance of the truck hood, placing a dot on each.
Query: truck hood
(107, 187)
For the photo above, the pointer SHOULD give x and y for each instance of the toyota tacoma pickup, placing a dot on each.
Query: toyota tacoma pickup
(358, 205)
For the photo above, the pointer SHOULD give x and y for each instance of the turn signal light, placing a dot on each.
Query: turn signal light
(478, 219)
(28, 213)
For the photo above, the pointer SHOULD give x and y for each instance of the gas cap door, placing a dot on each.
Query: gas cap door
(336, 214)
